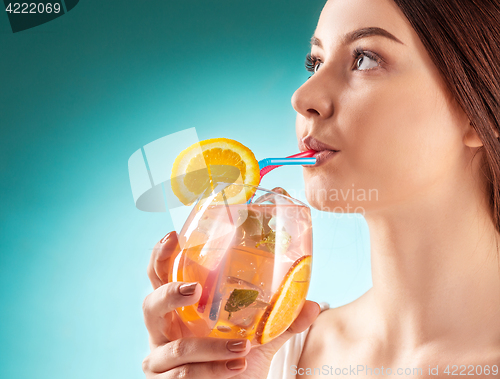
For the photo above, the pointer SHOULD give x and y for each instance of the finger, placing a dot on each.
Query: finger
(164, 300)
(153, 277)
(196, 350)
(158, 262)
(310, 311)
(280, 191)
(271, 197)
(206, 370)
(169, 248)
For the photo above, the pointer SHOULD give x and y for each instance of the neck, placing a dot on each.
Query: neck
(435, 270)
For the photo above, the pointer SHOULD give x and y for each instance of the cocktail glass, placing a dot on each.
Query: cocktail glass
(253, 261)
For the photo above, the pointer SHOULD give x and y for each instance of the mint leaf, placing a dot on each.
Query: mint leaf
(275, 238)
(240, 299)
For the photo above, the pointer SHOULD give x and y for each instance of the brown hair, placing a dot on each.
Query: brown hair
(462, 38)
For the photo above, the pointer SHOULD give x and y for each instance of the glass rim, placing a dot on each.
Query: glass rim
(259, 188)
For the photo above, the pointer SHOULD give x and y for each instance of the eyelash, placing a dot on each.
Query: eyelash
(312, 61)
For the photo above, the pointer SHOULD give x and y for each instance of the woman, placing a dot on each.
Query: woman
(407, 93)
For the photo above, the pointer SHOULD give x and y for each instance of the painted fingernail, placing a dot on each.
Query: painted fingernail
(236, 364)
(187, 289)
(165, 239)
(236, 346)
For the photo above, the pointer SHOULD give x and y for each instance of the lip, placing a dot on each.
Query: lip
(323, 151)
(323, 156)
(311, 143)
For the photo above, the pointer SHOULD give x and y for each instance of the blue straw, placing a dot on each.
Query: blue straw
(285, 162)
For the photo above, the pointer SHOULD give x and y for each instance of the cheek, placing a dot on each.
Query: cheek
(401, 138)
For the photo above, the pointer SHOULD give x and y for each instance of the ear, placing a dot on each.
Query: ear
(471, 138)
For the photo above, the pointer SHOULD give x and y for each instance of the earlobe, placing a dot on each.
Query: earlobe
(471, 138)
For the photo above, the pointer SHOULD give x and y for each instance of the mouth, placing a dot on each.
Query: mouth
(323, 153)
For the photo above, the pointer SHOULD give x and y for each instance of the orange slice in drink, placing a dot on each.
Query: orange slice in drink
(199, 168)
(287, 301)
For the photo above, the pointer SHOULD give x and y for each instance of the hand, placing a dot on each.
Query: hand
(272, 197)
(176, 353)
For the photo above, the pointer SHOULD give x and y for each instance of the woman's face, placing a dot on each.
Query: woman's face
(378, 99)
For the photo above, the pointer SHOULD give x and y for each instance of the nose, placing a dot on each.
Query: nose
(313, 99)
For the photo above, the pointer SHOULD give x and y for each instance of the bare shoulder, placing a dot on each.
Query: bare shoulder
(328, 335)
(331, 323)
(335, 333)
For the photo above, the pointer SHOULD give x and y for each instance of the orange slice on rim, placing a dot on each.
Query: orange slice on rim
(199, 168)
(287, 302)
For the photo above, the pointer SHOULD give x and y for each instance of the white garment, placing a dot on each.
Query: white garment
(289, 354)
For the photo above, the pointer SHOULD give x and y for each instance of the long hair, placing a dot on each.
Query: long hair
(462, 38)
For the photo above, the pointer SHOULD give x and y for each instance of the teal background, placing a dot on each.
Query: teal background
(79, 95)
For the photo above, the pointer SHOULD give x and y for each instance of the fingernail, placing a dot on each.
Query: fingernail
(319, 308)
(236, 364)
(165, 239)
(187, 289)
(236, 346)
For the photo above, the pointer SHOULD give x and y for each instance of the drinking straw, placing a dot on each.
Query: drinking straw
(305, 158)
(214, 276)
(216, 302)
(268, 164)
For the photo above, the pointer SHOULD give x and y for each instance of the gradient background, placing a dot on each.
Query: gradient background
(79, 95)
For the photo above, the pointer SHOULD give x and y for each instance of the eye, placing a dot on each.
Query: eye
(365, 60)
(312, 63)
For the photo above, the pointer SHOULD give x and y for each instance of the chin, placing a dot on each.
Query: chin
(318, 189)
(327, 197)
(317, 197)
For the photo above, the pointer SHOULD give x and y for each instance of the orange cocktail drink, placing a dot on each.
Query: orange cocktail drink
(252, 260)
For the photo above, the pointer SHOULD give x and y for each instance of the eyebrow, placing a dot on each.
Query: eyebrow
(358, 34)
